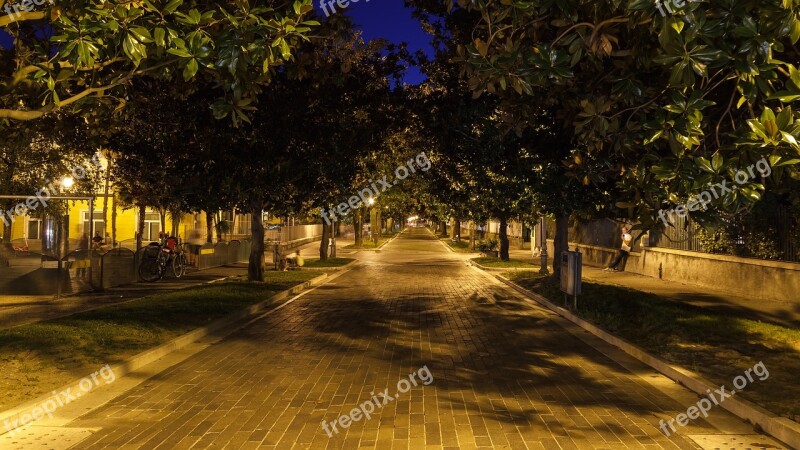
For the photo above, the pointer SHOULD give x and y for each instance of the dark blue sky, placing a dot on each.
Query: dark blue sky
(391, 20)
(378, 19)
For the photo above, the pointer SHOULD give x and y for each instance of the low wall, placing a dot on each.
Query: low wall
(768, 280)
(223, 253)
(117, 267)
(294, 232)
(760, 279)
(492, 232)
(35, 274)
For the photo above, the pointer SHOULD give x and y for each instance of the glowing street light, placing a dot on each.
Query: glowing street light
(67, 182)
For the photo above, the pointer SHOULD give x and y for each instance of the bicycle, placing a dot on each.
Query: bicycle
(157, 259)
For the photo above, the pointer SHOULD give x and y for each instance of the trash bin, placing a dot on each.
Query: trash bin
(571, 265)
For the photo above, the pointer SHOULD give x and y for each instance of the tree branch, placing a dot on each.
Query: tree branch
(38, 113)
(20, 74)
(22, 16)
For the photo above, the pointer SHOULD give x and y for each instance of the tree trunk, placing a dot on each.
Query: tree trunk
(379, 223)
(105, 206)
(209, 228)
(444, 228)
(521, 234)
(113, 220)
(358, 225)
(503, 238)
(323, 244)
(176, 223)
(233, 223)
(472, 235)
(6, 247)
(6, 205)
(255, 266)
(163, 214)
(373, 219)
(457, 229)
(560, 242)
(140, 228)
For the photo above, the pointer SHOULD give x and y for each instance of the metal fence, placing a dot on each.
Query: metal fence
(681, 236)
(778, 224)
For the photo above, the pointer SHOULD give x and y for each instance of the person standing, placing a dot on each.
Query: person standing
(194, 241)
(624, 251)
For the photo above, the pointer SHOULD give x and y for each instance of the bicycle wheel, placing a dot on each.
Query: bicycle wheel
(148, 270)
(178, 265)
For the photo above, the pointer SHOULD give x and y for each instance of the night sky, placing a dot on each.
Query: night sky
(378, 19)
(391, 20)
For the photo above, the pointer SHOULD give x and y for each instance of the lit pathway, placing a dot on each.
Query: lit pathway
(505, 374)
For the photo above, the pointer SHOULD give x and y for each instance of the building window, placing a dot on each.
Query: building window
(34, 229)
(152, 226)
(97, 218)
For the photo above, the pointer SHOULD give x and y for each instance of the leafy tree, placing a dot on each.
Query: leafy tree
(39, 156)
(302, 152)
(655, 106)
(67, 54)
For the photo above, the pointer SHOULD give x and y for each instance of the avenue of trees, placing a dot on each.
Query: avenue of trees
(532, 108)
(610, 109)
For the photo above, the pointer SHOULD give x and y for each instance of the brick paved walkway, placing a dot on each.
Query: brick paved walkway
(505, 374)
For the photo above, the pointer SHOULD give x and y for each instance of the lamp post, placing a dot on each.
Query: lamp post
(543, 243)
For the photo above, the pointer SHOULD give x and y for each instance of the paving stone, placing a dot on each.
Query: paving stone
(504, 374)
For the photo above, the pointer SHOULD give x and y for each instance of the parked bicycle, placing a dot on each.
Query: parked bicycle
(157, 259)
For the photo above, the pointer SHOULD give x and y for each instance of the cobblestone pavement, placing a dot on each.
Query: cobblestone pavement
(505, 375)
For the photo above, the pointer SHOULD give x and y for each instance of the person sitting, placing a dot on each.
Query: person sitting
(98, 243)
(292, 259)
(623, 252)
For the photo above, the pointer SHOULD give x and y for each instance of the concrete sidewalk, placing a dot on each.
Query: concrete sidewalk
(779, 313)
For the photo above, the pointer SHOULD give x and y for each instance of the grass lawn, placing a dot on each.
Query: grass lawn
(497, 263)
(40, 357)
(368, 244)
(330, 262)
(460, 247)
(718, 346)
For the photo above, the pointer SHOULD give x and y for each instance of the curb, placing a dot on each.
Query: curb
(225, 326)
(391, 239)
(781, 428)
(329, 269)
(504, 269)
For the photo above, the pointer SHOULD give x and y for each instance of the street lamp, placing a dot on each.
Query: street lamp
(67, 182)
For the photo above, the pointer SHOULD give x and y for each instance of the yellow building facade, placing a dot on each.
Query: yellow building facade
(32, 232)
